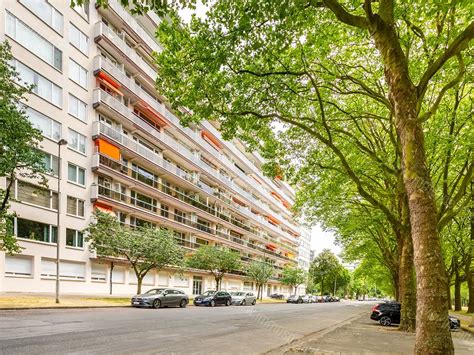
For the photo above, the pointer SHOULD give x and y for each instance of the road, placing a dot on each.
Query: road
(248, 329)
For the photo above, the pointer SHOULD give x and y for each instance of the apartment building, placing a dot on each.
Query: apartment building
(127, 154)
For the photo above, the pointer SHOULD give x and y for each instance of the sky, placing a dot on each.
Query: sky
(323, 240)
(319, 239)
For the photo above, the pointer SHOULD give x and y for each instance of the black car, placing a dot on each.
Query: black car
(213, 298)
(277, 296)
(388, 313)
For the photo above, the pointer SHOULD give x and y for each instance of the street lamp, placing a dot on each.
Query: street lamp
(61, 142)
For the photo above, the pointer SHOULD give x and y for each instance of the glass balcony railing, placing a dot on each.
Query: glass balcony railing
(102, 31)
(131, 22)
(192, 201)
(108, 193)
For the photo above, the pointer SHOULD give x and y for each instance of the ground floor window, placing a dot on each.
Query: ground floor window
(35, 230)
(18, 266)
(197, 285)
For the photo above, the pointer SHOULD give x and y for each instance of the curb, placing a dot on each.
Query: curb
(59, 307)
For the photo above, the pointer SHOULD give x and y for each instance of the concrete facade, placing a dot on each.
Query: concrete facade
(127, 154)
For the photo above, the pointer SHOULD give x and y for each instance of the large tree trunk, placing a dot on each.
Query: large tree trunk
(322, 286)
(407, 284)
(457, 292)
(448, 293)
(470, 287)
(432, 331)
(111, 275)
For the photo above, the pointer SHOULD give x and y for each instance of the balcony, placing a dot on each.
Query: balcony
(159, 189)
(102, 32)
(129, 202)
(132, 23)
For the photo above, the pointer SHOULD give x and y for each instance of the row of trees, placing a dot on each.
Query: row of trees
(149, 247)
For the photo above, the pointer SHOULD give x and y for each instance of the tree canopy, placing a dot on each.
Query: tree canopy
(293, 277)
(144, 248)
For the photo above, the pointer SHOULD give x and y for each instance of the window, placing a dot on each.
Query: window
(42, 86)
(74, 238)
(36, 195)
(50, 163)
(18, 266)
(77, 108)
(179, 216)
(78, 39)
(77, 141)
(35, 231)
(49, 127)
(98, 272)
(83, 10)
(76, 174)
(67, 269)
(75, 206)
(46, 12)
(164, 211)
(32, 41)
(77, 73)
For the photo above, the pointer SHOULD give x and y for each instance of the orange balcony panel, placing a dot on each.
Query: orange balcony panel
(104, 208)
(103, 76)
(152, 113)
(271, 246)
(257, 179)
(108, 149)
(211, 139)
(239, 202)
(273, 220)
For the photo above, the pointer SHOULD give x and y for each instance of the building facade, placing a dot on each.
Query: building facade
(127, 154)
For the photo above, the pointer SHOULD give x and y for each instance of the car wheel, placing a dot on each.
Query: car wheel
(183, 303)
(213, 303)
(385, 321)
(243, 303)
(254, 302)
(156, 304)
(300, 301)
(227, 303)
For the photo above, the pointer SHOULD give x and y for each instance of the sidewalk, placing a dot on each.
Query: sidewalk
(364, 336)
(466, 320)
(47, 300)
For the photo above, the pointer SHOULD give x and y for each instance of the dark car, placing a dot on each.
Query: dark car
(213, 298)
(160, 297)
(277, 296)
(295, 299)
(388, 313)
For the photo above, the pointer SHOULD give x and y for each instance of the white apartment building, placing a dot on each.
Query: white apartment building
(127, 154)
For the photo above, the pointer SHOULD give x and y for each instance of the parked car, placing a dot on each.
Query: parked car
(319, 299)
(243, 298)
(278, 296)
(160, 297)
(295, 299)
(307, 299)
(213, 298)
(388, 313)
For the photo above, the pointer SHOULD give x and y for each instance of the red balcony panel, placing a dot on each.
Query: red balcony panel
(209, 138)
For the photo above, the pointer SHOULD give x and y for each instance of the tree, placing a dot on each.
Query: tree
(144, 248)
(218, 261)
(324, 267)
(19, 143)
(250, 66)
(259, 272)
(293, 277)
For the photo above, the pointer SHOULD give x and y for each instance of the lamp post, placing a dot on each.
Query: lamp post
(61, 142)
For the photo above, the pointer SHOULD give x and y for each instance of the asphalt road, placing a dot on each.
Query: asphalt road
(247, 329)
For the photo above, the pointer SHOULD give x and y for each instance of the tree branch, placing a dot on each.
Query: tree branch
(344, 16)
(458, 44)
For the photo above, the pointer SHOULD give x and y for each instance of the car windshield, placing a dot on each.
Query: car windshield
(237, 293)
(209, 293)
(154, 291)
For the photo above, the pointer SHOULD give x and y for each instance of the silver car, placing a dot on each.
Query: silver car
(243, 298)
(160, 297)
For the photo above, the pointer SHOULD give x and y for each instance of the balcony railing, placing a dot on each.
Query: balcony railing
(154, 183)
(102, 31)
(131, 22)
(107, 192)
